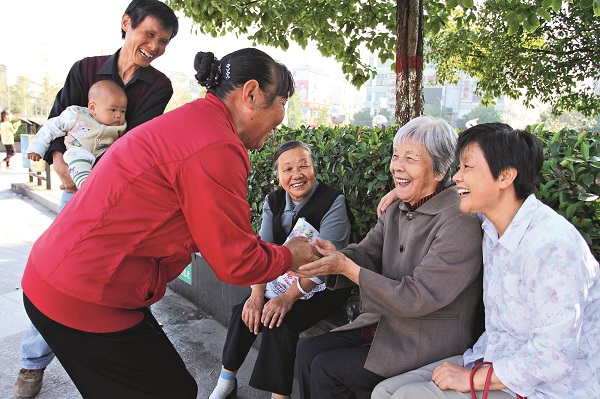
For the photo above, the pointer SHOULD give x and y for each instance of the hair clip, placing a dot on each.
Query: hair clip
(228, 71)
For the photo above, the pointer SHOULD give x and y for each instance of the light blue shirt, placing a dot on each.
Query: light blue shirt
(542, 307)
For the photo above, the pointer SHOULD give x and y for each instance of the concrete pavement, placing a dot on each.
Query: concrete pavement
(26, 211)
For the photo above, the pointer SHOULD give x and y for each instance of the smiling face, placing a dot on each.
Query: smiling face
(146, 42)
(263, 119)
(296, 173)
(412, 169)
(478, 190)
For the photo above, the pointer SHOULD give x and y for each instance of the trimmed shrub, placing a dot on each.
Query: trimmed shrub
(570, 179)
(355, 159)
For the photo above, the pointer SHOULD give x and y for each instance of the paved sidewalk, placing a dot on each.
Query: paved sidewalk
(27, 210)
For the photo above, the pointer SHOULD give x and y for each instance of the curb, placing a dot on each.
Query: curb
(39, 196)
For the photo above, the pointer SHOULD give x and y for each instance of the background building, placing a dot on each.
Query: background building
(454, 100)
(320, 90)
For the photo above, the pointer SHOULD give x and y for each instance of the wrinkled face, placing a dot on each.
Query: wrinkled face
(109, 109)
(477, 188)
(296, 173)
(412, 169)
(262, 121)
(146, 42)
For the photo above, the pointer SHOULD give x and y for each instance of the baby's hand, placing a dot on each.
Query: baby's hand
(33, 156)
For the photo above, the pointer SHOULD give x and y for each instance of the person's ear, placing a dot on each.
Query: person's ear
(92, 107)
(507, 177)
(439, 177)
(250, 94)
(125, 22)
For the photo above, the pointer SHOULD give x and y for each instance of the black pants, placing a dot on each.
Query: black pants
(274, 367)
(137, 363)
(332, 366)
(10, 152)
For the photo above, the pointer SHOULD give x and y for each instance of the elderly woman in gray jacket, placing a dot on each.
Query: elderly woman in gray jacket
(419, 272)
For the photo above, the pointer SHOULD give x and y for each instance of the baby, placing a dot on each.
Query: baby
(88, 131)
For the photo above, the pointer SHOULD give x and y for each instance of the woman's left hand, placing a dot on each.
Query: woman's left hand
(275, 310)
(332, 263)
(450, 376)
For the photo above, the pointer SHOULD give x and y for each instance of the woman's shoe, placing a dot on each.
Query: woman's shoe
(233, 393)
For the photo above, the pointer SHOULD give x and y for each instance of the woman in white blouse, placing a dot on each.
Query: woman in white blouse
(541, 285)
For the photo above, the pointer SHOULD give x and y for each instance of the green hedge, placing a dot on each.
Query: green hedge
(570, 179)
(355, 159)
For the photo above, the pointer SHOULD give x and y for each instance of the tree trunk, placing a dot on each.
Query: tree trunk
(409, 60)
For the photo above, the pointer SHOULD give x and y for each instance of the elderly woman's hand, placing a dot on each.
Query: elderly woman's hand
(330, 264)
(252, 311)
(324, 247)
(302, 250)
(386, 201)
(333, 262)
(450, 376)
(276, 309)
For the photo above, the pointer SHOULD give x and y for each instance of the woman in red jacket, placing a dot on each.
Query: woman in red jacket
(170, 187)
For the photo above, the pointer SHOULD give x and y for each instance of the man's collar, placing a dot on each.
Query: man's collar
(112, 65)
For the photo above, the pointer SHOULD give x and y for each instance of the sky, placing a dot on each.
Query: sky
(48, 36)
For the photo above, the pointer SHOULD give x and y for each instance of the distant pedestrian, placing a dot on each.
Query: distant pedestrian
(7, 132)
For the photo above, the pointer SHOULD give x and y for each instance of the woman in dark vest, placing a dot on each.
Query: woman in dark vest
(285, 307)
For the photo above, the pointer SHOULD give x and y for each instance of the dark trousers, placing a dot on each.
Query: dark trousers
(274, 367)
(137, 363)
(10, 152)
(332, 366)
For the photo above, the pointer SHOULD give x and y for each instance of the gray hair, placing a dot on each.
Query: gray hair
(289, 145)
(438, 138)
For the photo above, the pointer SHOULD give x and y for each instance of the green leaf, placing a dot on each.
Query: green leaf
(548, 184)
(467, 3)
(513, 26)
(556, 5)
(585, 151)
(297, 33)
(586, 3)
(542, 12)
(570, 211)
(532, 23)
(587, 197)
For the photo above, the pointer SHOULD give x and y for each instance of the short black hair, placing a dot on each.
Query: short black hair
(221, 77)
(504, 147)
(140, 9)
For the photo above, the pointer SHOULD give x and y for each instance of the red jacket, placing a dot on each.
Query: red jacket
(172, 186)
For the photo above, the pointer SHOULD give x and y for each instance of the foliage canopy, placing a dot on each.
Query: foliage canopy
(537, 49)
(531, 48)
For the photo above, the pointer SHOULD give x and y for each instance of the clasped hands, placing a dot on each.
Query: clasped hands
(316, 258)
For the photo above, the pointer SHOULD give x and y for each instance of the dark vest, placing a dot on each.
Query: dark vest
(313, 211)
